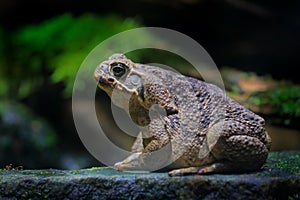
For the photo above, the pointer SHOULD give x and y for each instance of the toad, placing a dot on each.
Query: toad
(191, 125)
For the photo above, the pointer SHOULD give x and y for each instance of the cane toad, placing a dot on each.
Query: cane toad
(198, 127)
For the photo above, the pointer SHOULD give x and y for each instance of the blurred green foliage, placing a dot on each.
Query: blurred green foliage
(285, 100)
(55, 48)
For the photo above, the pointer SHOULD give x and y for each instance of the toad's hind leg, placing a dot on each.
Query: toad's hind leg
(238, 153)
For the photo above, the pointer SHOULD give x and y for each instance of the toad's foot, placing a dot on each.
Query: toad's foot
(184, 171)
(132, 162)
(213, 168)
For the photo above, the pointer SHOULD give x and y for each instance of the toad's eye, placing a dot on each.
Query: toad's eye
(118, 69)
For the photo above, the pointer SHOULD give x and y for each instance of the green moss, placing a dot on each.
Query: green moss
(95, 168)
(45, 173)
(75, 172)
(289, 165)
(281, 164)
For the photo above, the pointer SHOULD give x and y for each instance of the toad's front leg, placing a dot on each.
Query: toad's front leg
(132, 162)
(149, 158)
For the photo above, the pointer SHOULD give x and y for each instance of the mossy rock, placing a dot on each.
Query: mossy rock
(279, 179)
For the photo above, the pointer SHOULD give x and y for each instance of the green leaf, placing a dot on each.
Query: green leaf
(52, 50)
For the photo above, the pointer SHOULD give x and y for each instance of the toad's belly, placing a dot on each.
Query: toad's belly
(194, 158)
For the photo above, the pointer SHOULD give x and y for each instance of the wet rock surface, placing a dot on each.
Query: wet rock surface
(279, 179)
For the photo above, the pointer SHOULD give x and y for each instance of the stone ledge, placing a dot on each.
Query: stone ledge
(279, 179)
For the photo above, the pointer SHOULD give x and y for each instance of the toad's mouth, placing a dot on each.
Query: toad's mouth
(110, 84)
(104, 82)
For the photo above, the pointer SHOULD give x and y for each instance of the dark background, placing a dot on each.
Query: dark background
(261, 36)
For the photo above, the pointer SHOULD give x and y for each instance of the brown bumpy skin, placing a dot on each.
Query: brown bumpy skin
(184, 120)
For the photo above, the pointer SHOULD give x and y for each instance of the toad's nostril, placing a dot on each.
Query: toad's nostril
(104, 66)
(111, 79)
